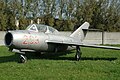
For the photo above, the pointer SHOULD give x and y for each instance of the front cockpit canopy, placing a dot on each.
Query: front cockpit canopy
(41, 28)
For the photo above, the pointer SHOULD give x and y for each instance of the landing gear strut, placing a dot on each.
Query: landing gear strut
(78, 53)
(22, 58)
(10, 49)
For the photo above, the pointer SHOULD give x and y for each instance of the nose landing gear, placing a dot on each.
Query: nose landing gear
(23, 58)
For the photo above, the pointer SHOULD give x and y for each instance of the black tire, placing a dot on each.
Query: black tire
(77, 57)
(23, 59)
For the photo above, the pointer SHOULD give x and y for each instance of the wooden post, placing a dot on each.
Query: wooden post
(103, 33)
(31, 21)
(17, 24)
(38, 21)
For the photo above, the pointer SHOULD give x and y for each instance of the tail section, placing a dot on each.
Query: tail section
(80, 33)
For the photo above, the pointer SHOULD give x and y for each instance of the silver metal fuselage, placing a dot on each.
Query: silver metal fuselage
(24, 39)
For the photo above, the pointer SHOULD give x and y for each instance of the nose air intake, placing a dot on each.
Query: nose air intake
(8, 39)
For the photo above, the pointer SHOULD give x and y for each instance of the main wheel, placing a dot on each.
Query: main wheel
(78, 53)
(77, 57)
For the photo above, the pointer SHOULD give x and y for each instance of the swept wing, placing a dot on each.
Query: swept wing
(81, 44)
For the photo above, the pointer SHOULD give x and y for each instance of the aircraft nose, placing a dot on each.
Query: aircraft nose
(8, 39)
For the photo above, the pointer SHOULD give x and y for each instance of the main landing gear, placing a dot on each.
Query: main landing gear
(78, 53)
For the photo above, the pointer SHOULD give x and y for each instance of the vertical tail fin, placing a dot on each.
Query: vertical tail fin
(80, 33)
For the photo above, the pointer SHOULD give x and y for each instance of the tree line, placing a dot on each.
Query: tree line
(62, 14)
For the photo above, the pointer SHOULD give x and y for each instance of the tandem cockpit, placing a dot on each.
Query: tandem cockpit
(41, 28)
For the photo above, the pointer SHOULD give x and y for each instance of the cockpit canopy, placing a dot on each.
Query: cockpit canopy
(41, 28)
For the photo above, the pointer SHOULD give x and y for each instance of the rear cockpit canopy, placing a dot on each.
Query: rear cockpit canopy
(41, 28)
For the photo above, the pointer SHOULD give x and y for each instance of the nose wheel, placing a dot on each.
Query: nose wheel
(78, 53)
(22, 58)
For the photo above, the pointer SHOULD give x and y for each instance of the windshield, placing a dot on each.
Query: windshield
(37, 28)
(41, 28)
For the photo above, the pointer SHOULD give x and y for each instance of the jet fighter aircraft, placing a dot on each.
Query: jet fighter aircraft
(43, 38)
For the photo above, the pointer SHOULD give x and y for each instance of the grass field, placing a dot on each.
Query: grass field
(96, 64)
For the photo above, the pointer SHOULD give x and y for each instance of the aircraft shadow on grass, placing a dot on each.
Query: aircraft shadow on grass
(11, 58)
(53, 56)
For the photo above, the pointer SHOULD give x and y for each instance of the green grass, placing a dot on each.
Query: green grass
(96, 64)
